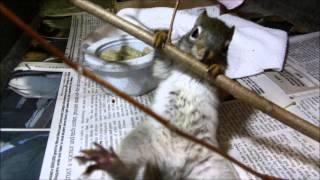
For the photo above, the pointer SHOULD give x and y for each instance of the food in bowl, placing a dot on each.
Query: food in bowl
(124, 53)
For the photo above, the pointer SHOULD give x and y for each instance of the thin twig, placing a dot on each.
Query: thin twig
(91, 75)
(172, 21)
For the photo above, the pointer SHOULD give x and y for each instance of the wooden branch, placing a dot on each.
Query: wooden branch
(91, 75)
(221, 81)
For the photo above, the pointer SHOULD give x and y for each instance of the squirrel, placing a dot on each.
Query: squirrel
(151, 151)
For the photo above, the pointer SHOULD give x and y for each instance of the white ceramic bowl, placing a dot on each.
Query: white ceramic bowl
(132, 76)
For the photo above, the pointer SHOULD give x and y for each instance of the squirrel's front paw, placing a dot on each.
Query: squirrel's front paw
(106, 160)
(216, 69)
(160, 38)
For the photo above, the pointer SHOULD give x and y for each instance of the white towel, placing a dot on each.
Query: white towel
(231, 4)
(253, 48)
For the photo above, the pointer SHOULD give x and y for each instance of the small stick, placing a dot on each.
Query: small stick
(172, 21)
(91, 75)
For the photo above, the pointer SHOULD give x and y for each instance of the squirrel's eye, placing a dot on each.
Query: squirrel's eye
(195, 33)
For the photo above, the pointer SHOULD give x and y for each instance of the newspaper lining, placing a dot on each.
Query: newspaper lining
(85, 114)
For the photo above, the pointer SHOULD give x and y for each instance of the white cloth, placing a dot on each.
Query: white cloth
(253, 48)
(231, 4)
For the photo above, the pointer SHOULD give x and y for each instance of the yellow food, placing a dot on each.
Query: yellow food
(125, 53)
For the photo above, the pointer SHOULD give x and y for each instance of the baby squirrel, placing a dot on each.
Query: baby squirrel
(151, 151)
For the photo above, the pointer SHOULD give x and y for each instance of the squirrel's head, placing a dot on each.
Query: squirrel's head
(208, 40)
